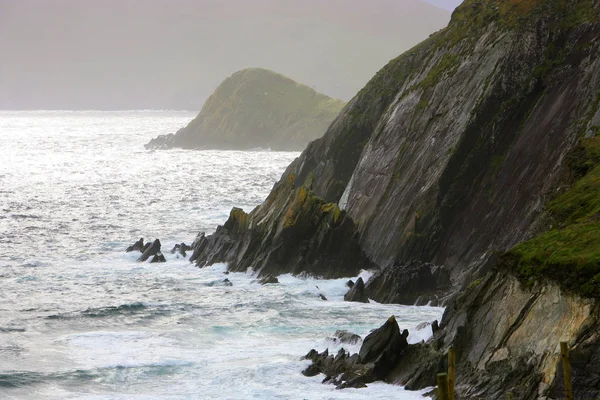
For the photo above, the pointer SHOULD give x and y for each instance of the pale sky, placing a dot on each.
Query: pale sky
(123, 54)
(447, 4)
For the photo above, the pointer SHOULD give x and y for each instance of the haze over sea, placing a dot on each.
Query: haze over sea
(81, 319)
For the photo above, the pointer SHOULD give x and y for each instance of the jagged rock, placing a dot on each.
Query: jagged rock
(137, 246)
(311, 370)
(322, 297)
(378, 355)
(435, 326)
(347, 337)
(227, 282)
(150, 250)
(306, 235)
(350, 284)
(181, 249)
(383, 342)
(158, 258)
(357, 292)
(198, 246)
(414, 283)
(268, 279)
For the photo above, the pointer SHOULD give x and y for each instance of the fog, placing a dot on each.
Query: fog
(159, 54)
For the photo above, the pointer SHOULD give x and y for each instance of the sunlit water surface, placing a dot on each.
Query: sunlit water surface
(81, 319)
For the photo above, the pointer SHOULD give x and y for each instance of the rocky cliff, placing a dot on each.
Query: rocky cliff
(472, 162)
(256, 108)
(452, 150)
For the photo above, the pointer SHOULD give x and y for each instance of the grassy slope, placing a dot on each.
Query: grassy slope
(569, 253)
(263, 105)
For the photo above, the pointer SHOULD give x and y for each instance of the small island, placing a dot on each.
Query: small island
(256, 108)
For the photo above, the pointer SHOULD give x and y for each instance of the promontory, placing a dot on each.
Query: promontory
(256, 108)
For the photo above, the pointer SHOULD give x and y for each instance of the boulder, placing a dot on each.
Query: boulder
(158, 258)
(350, 283)
(226, 282)
(150, 250)
(357, 292)
(322, 297)
(137, 246)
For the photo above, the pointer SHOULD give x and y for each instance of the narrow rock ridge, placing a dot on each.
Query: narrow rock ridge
(298, 234)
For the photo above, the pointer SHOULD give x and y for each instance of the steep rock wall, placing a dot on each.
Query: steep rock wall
(450, 151)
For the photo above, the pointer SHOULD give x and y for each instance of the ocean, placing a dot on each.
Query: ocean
(81, 319)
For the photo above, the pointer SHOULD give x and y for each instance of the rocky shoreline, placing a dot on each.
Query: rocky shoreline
(464, 174)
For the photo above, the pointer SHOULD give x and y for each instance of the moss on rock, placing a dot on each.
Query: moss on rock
(568, 254)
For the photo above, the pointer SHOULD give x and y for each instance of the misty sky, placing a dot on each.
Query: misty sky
(125, 54)
(447, 4)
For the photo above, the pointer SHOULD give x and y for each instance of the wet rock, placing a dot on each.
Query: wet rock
(198, 246)
(268, 279)
(414, 283)
(137, 246)
(311, 370)
(435, 326)
(181, 248)
(357, 292)
(150, 250)
(350, 283)
(220, 282)
(347, 337)
(301, 234)
(158, 258)
(378, 355)
(383, 341)
(322, 297)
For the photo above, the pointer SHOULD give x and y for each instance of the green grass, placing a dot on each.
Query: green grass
(569, 254)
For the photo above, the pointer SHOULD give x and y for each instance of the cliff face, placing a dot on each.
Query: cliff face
(473, 162)
(506, 337)
(451, 150)
(256, 108)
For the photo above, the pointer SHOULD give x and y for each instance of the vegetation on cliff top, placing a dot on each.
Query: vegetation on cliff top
(570, 252)
(258, 108)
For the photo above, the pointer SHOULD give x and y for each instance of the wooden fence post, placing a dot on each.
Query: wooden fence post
(451, 372)
(442, 381)
(564, 355)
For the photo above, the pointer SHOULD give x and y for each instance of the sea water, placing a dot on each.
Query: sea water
(82, 319)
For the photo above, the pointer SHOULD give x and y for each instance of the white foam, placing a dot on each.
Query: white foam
(96, 191)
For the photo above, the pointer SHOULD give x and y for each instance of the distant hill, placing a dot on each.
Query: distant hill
(170, 54)
(256, 108)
